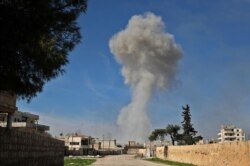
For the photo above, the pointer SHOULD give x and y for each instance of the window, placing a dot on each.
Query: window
(24, 119)
(74, 143)
(84, 142)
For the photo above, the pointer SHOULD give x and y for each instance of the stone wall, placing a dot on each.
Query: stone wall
(161, 152)
(133, 151)
(226, 154)
(27, 148)
(142, 152)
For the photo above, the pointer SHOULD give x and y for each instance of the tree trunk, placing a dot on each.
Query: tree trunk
(172, 139)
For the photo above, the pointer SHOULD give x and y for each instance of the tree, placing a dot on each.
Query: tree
(36, 37)
(172, 131)
(157, 134)
(160, 133)
(188, 136)
(152, 137)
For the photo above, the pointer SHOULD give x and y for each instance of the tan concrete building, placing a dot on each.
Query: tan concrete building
(230, 133)
(133, 147)
(105, 144)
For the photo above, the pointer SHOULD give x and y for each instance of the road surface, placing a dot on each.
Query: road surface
(123, 160)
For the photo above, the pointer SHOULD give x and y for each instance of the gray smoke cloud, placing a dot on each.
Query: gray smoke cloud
(149, 58)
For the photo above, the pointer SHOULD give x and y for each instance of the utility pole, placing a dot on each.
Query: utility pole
(109, 144)
(72, 141)
(103, 141)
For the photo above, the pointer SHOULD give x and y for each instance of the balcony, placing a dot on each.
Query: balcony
(38, 127)
(229, 136)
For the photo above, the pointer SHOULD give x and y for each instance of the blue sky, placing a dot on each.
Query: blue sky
(213, 75)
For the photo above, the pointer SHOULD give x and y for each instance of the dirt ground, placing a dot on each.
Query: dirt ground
(123, 160)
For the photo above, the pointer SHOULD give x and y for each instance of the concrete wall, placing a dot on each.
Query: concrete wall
(226, 154)
(29, 148)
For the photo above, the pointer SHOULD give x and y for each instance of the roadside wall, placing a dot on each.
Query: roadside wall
(133, 151)
(142, 152)
(161, 152)
(226, 154)
(26, 148)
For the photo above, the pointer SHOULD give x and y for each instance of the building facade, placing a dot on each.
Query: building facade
(230, 133)
(77, 142)
(104, 144)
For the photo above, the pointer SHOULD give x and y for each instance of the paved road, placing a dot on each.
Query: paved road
(123, 160)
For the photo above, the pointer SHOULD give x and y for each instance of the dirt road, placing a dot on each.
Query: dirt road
(123, 160)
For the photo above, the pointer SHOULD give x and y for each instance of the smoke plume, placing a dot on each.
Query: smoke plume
(149, 58)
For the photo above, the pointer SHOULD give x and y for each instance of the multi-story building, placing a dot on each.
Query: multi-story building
(77, 144)
(230, 133)
(77, 141)
(23, 120)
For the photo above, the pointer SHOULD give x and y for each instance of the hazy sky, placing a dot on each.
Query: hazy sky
(213, 74)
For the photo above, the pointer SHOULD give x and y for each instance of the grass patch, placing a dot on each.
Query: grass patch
(78, 161)
(168, 162)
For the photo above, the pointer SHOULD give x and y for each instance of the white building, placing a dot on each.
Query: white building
(23, 120)
(77, 142)
(230, 133)
(105, 144)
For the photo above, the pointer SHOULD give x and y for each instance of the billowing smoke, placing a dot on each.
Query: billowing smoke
(149, 58)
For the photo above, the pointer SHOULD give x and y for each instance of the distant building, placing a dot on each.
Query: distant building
(230, 133)
(23, 120)
(78, 143)
(105, 144)
(207, 141)
(133, 147)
